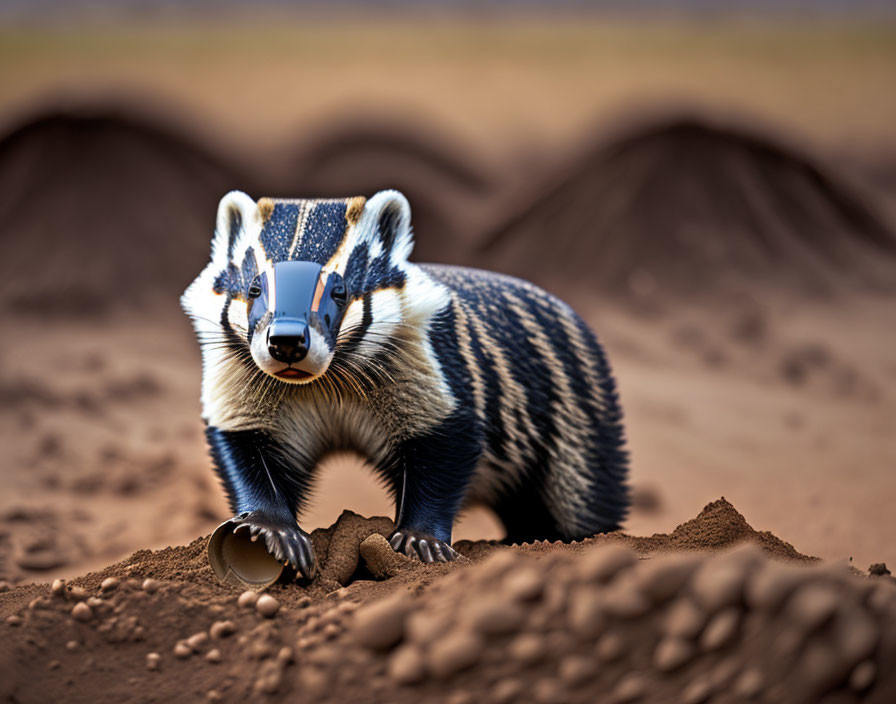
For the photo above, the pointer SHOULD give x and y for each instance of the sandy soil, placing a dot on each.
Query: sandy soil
(616, 617)
(104, 452)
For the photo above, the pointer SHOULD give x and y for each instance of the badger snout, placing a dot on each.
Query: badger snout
(288, 340)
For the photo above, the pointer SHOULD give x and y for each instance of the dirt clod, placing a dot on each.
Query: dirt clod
(267, 606)
(153, 661)
(82, 612)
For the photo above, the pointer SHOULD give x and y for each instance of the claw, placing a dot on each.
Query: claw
(421, 546)
(424, 550)
(409, 546)
(396, 540)
(286, 543)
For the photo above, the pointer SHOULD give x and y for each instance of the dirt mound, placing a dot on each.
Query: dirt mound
(688, 206)
(102, 204)
(540, 623)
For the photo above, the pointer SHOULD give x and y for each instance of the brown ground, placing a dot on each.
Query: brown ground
(625, 618)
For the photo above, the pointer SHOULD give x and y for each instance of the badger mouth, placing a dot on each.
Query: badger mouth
(293, 373)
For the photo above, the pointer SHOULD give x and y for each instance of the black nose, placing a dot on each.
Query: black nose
(288, 342)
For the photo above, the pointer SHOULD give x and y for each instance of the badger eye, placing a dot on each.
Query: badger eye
(338, 292)
(254, 289)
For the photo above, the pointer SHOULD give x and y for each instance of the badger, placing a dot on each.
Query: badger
(458, 386)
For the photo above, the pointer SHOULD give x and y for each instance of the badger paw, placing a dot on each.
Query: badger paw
(282, 538)
(422, 546)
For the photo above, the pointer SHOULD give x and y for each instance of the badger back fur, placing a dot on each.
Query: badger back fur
(457, 385)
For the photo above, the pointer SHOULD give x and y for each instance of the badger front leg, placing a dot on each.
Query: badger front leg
(434, 472)
(264, 492)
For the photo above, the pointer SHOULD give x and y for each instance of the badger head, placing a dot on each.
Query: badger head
(291, 283)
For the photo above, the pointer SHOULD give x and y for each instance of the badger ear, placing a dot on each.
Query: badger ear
(387, 220)
(236, 213)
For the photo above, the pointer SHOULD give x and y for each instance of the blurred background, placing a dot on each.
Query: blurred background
(711, 184)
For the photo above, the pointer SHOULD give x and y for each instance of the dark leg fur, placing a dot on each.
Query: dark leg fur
(526, 516)
(264, 492)
(435, 471)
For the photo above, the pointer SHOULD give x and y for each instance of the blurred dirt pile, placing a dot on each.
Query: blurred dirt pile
(106, 207)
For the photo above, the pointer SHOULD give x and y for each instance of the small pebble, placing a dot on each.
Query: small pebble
(720, 630)
(213, 656)
(604, 562)
(623, 599)
(716, 585)
(58, 587)
(459, 696)
(697, 691)
(213, 695)
(13, 620)
(109, 584)
(151, 586)
(285, 655)
(749, 684)
(523, 584)
(153, 660)
(267, 605)
(197, 640)
(548, 691)
(662, 578)
(182, 650)
(247, 599)
(527, 648)
(222, 629)
(271, 678)
(494, 615)
(54, 665)
(454, 652)
(684, 619)
(72, 645)
(813, 605)
(862, 676)
(423, 627)
(629, 689)
(575, 670)
(406, 665)
(772, 584)
(82, 612)
(609, 647)
(78, 592)
(506, 691)
(94, 602)
(586, 616)
(381, 625)
(672, 653)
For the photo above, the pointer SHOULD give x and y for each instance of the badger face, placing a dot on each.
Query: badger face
(297, 288)
(293, 318)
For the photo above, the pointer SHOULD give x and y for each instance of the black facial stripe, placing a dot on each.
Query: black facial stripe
(358, 333)
(236, 225)
(388, 226)
(278, 231)
(324, 231)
